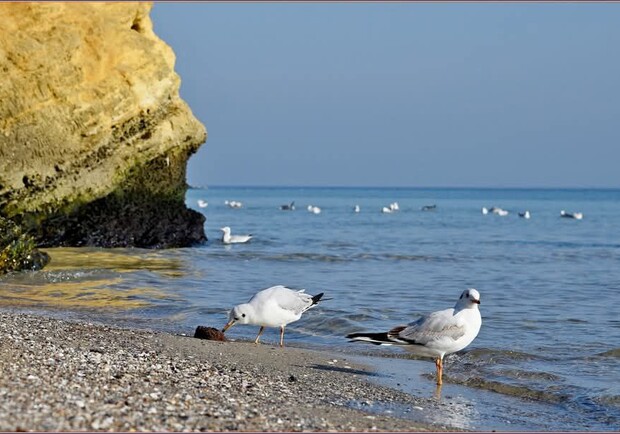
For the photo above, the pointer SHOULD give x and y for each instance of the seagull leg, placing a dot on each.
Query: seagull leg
(439, 365)
(281, 336)
(260, 332)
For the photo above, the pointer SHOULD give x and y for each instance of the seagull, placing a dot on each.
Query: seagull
(386, 210)
(233, 204)
(234, 239)
(485, 211)
(500, 212)
(356, 209)
(314, 209)
(571, 215)
(429, 207)
(277, 306)
(437, 334)
(202, 203)
(288, 207)
(525, 215)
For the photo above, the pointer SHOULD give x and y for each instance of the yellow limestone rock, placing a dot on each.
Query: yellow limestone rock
(94, 138)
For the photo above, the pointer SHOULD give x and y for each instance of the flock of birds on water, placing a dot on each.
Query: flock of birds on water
(434, 335)
(228, 238)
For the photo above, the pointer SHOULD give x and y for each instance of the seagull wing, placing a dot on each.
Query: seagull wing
(291, 300)
(438, 325)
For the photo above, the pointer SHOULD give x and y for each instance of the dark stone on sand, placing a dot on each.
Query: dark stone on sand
(209, 333)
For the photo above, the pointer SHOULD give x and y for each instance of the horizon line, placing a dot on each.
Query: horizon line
(397, 187)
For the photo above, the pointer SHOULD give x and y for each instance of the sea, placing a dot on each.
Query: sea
(547, 356)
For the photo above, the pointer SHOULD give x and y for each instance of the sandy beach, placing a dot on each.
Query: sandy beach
(59, 375)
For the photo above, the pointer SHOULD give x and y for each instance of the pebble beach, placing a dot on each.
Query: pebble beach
(60, 375)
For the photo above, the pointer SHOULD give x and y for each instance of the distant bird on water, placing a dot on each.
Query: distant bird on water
(227, 238)
(277, 306)
(288, 207)
(233, 204)
(429, 207)
(202, 203)
(525, 214)
(437, 334)
(571, 215)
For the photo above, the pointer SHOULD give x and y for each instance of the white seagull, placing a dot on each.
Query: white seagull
(234, 239)
(571, 215)
(202, 203)
(525, 215)
(500, 212)
(437, 334)
(233, 204)
(277, 306)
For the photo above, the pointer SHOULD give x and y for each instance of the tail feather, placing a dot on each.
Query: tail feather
(373, 338)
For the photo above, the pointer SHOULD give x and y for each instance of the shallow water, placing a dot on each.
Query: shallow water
(548, 354)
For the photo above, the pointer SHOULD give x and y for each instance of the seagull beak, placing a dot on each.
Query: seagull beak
(228, 325)
(476, 301)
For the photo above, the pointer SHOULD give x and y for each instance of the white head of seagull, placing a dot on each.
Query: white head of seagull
(227, 238)
(436, 334)
(272, 307)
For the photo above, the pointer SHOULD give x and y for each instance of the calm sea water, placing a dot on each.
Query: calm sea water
(547, 356)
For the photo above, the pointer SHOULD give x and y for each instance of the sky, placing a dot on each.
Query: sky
(400, 94)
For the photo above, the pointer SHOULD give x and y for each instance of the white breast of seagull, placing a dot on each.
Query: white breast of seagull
(279, 305)
(439, 333)
(240, 238)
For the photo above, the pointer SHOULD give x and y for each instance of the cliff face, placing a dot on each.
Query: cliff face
(94, 138)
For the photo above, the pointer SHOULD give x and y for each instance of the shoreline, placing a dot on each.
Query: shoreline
(60, 375)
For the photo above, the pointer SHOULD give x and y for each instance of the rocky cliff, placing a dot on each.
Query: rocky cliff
(94, 138)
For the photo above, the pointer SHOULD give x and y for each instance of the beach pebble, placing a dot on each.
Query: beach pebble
(151, 381)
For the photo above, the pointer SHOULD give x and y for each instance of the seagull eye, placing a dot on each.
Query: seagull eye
(243, 315)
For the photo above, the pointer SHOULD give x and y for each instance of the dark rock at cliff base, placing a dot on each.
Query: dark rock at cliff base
(107, 223)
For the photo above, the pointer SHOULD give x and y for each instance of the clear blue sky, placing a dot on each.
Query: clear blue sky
(400, 94)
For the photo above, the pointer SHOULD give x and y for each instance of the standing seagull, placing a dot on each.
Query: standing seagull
(233, 239)
(437, 334)
(272, 307)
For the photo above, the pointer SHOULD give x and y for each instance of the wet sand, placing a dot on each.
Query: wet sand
(58, 375)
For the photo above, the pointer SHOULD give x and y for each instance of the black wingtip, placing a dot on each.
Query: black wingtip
(317, 298)
(373, 338)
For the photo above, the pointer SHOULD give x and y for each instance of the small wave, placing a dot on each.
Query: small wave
(526, 392)
(611, 353)
(493, 356)
(609, 400)
(322, 257)
(519, 374)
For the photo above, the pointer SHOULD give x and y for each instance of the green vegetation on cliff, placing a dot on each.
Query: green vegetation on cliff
(17, 250)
